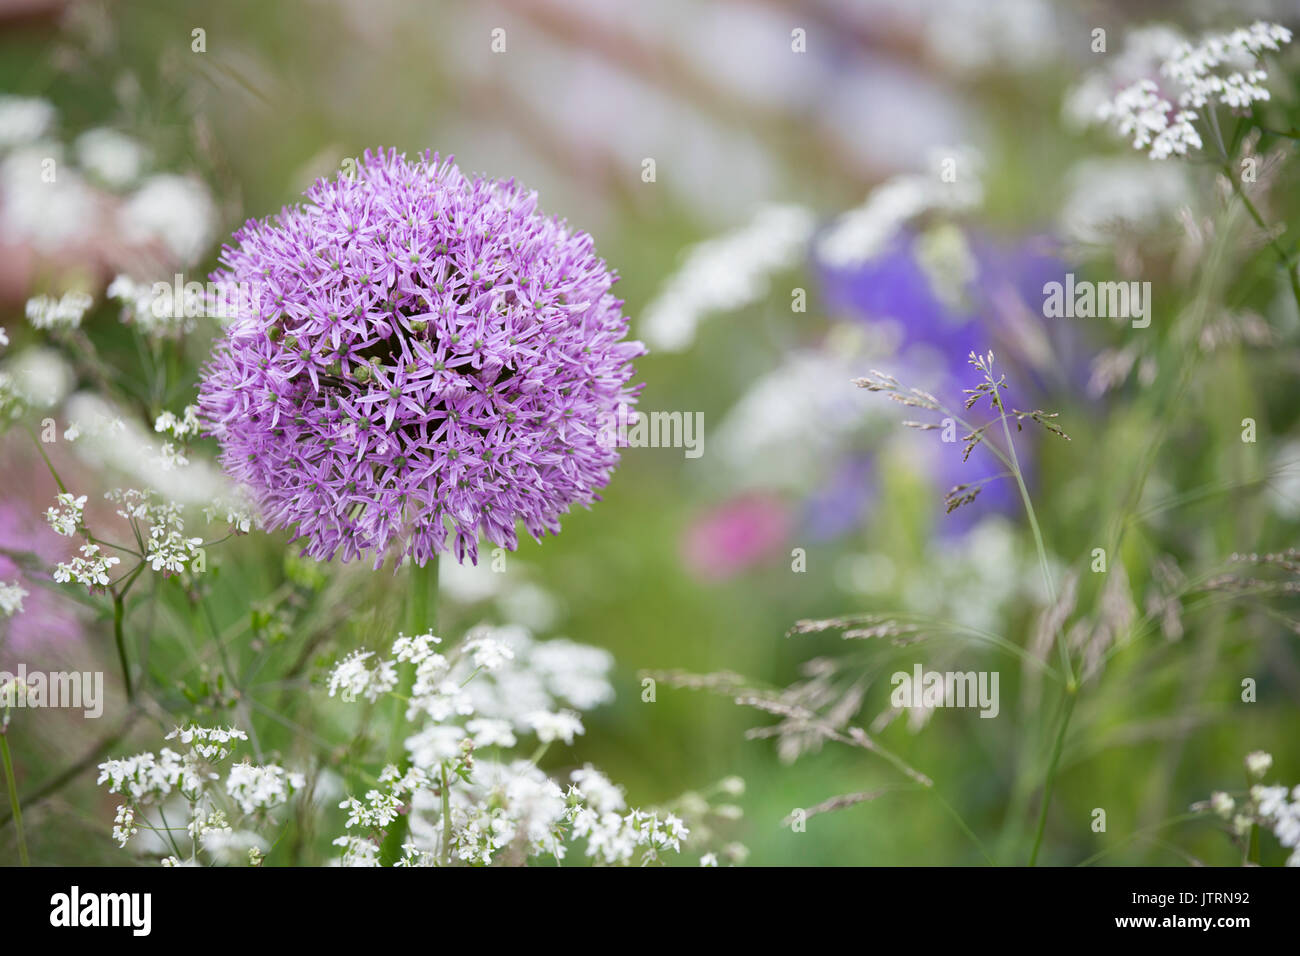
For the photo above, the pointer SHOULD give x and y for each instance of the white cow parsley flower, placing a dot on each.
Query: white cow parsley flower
(562, 725)
(597, 791)
(113, 158)
(63, 314)
(210, 743)
(185, 427)
(414, 649)
(1219, 69)
(1258, 763)
(1139, 111)
(726, 273)
(488, 653)
(66, 518)
(490, 732)
(24, 119)
(91, 569)
(378, 810)
(257, 788)
(352, 677)
(11, 598)
(124, 825)
(170, 457)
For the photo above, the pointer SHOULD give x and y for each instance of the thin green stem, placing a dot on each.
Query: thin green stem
(1066, 668)
(1283, 256)
(1071, 695)
(422, 610)
(1138, 834)
(965, 828)
(12, 783)
(48, 464)
(446, 819)
(119, 638)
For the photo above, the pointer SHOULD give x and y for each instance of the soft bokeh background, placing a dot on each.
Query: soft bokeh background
(687, 563)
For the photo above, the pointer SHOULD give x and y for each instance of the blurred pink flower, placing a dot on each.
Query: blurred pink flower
(736, 535)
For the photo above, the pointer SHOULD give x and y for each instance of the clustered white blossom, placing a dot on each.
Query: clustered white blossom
(1273, 807)
(113, 158)
(90, 569)
(167, 549)
(24, 119)
(353, 677)
(62, 314)
(66, 517)
(210, 743)
(153, 311)
(100, 426)
(951, 184)
(101, 189)
(496, 686)
(235, 512)
(726, 273)
(183, 428)
(378, 811)
(11, 598)
(1219, 69)
(561, 725)
(257, 788)
(1141, 112)
(219, 816)
(488, 653)
(11, 399)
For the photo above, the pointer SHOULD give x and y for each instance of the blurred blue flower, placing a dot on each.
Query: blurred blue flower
(946, 292)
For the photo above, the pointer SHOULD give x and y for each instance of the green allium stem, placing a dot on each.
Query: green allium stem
(421, 618)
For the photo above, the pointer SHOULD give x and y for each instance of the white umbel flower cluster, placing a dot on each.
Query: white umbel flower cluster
(468, 797)
(182, 428)
(1220, 69)
(726, 273)
(222, 815)
(90, 569)
(950, 184)
(1141, 112)
(66, 517)
(153, 309)
(353, 677)
(1199, 68)
(260, 788)
(210, 743)
(11, 598)
(1271, 807)
(62, 314)
(24, 119)
(168, 550)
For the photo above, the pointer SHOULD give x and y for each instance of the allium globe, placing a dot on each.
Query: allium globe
(426, 357)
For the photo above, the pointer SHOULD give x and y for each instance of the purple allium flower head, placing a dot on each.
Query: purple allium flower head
(427, 358)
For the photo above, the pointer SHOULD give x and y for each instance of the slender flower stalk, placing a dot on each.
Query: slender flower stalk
(421, 618)
(1071, 695)
(15, 807)
(119, 638)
